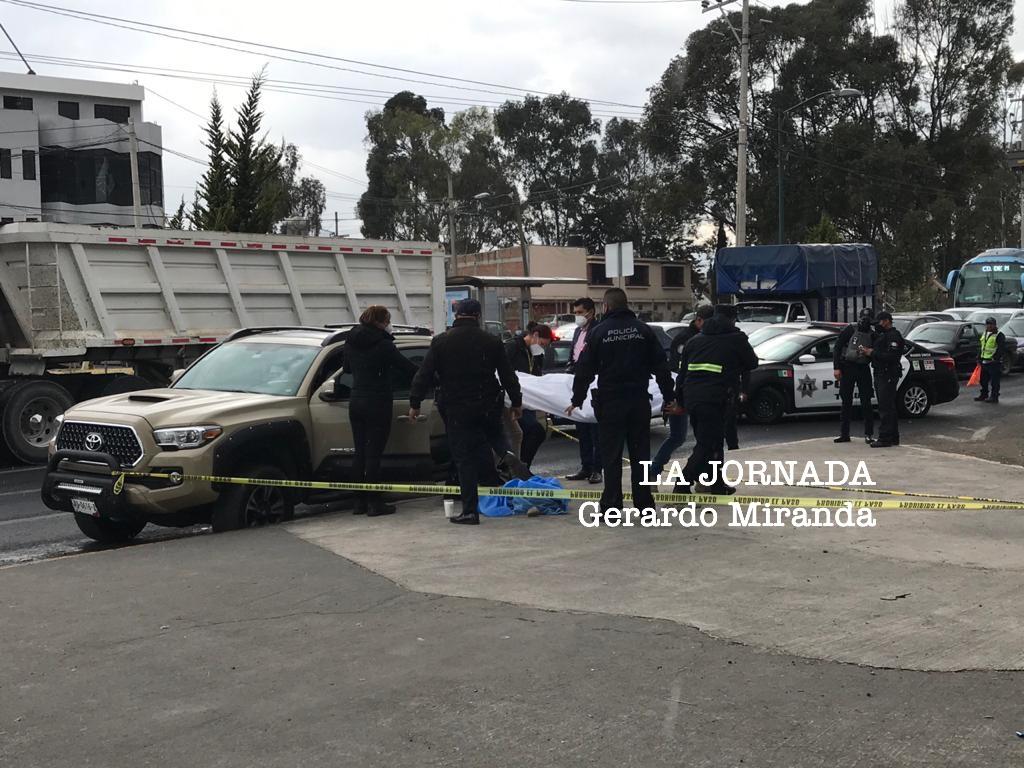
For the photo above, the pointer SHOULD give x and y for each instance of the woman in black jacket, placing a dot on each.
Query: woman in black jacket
(371, 356)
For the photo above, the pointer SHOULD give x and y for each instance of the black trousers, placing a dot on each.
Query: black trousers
(371, 426)
(886, 384)
(707, 421)
(471, 435)
(853, 375)
(534, 436)
(589, 436)
(991, 375)
(732, 439)
(625, 423)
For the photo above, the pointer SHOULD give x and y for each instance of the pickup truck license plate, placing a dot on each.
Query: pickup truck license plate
(84, 506)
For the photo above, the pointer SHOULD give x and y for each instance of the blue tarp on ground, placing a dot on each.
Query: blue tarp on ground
(783, 269)
(505, 506)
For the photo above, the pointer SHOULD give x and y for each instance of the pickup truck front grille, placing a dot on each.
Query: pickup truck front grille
(120, 442)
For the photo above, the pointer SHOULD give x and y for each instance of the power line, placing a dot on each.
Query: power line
(165, 31)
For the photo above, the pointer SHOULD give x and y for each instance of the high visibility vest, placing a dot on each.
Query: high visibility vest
(988, 346)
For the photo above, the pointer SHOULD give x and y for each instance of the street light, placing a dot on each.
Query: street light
(839, 93)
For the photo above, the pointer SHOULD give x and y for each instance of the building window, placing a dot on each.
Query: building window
(5, 163)
(112, 112)
(28, 164)
(68, 109)
(18, 102)
(597, 275)
(673, 277)
(641, 275)
(97, 176)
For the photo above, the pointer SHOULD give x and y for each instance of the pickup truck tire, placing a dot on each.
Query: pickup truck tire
(766, 406)
(108, 531)
(29, 409)
(243, 506)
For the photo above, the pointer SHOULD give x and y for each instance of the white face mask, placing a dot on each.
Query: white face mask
(389, 328)
(581, 319)
(536, 349)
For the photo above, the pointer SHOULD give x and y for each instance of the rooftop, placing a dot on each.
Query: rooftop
(13, 81)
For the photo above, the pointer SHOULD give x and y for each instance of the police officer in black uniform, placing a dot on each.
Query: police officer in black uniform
(886, 353)
(852, 369)
(624, 353)
(712, 364)
(465, 359)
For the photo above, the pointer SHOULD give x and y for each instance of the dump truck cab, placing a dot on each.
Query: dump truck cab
(268, 403)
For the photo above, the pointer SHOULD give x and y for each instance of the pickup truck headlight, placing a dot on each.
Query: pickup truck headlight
(177, 438)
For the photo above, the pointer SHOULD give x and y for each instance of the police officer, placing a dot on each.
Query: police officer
(677, 421)
(712, 363)
(465, 359)
(886, 353)
(624, 353)
(852, 369)
(525, 353)
(991, 359)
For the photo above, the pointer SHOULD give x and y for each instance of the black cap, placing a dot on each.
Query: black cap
(883, 315)
(990, 321)
(867, 314)
(704, 311)
(467, 308)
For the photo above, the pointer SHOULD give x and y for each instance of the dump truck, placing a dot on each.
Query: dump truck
(88, 312)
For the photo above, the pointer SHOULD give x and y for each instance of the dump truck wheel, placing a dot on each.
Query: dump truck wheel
(108, 531)
(28, 421)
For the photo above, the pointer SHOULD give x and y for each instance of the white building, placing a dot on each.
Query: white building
(64, 152)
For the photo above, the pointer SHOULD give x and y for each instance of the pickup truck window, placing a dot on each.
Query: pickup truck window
(401, 383)
(263, 369)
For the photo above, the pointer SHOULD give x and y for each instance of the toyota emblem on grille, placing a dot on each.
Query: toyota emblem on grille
(93, 441)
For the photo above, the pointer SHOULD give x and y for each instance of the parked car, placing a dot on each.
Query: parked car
(554, 320)
(498, 328)
(961, 341)
(264, 404)
(906, 322)
(961, 313)
(1001, 315)
(557, 355)
(1014, 329)
(778, 329)
(671, 329)
(795, 376)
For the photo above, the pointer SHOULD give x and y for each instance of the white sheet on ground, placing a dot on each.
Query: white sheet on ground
(552, 393)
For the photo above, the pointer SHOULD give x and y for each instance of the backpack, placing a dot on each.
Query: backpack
(852, 354)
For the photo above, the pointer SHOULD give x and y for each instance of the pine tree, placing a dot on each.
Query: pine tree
(255, 168)
(212, 208)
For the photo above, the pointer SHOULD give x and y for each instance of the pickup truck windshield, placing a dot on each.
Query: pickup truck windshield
(762, 313)
(263, 369)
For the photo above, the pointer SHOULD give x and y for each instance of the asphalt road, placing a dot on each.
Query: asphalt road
(30, 531)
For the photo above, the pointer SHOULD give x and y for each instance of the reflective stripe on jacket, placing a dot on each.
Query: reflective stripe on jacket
(989, 346)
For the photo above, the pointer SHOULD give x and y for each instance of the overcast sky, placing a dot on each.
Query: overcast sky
(609, 52)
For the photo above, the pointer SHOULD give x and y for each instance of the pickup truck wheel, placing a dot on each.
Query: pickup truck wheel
(766, 406)
(108, 531)
(242, 506)
(30, 409)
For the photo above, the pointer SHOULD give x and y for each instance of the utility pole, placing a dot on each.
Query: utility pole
(525, 297)
(741, 158)
(133, 151)
(1020, 176)
(336, 228)
(451, 219)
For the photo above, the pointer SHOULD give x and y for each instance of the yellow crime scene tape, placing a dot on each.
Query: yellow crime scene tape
(574, 494)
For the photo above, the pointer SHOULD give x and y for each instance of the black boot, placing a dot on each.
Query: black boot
(583, 474)
(842, 439)
(466, 518)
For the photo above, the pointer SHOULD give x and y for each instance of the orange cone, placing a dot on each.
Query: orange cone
(975, 379)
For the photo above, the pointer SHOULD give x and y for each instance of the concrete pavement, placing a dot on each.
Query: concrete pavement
(257, 649)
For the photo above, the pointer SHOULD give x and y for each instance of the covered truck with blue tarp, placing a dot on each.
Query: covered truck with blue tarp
(785, 283)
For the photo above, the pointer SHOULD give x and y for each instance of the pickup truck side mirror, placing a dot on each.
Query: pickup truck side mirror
(328, 392)
(177, 375)
(806, 359)
(801, 319)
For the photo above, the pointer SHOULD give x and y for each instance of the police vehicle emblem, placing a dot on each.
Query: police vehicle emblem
(93, 441)
(807, 387)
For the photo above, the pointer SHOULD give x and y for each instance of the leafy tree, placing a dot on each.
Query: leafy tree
(177, 221)
(823, 232)
(549, 147)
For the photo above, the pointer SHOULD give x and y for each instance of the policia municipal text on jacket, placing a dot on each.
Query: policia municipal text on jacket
(624, 353)
(712, 362)
(465, 359)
